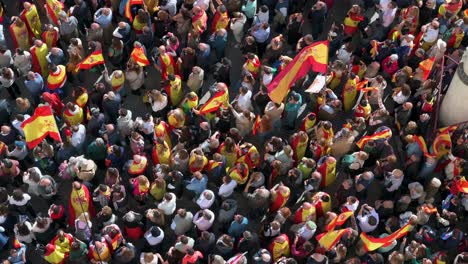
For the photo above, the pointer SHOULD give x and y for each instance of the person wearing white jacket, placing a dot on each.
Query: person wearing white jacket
(22, 61)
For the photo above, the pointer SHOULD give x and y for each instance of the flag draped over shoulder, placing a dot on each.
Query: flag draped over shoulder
(92, 60)
(313, 57)
(138, 54)
(426, 67)
(53, 8)
(371, 243)
(339, 220)
(329, 239)
(39, 126)
(214, 103)
(387, 133)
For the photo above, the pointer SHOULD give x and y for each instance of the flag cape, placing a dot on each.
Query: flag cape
(128, 7)
(39, 126)
(426, 67)
(256, 125)
(339, 220)
(214, 103)
(32, 21)
(92, 60)
(371, 243)
(328, 172)
(387, 133)
(329, 239)
(53, 8)
(138, 54)
(313, 57)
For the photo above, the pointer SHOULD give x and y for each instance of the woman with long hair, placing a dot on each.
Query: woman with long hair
(134, 76)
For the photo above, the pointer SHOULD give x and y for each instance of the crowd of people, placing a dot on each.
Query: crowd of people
(214, 171)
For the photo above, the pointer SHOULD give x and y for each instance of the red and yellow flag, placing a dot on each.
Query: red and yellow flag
(313, 57)
(329, 239)
(360, 85)
(339, 220)
(371, 243)
(442, 143)
(39, 126)
(429, 210)
(92, 60)
(214, 103)
(426, 67)
(375, 48)
(422, 145)
(387, 133)
(256, 125)
(448, 129)
(138, 54)
(328, 172)
(462, 185)
(16, 243)
(128, 6)
(53, 8)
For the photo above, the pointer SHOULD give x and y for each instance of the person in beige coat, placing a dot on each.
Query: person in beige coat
(342, 143)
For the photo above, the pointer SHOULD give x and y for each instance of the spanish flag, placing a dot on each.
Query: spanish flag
(371, 243)
(313, 57)
(441, 145)
(329, 239)
(462, 185)
(385, 134)
(448, 129)
(214, 103)
(429, 209)
(39, 126)
(16, 243)
(328, 172)
(422, 145)
(138, 54)
(128, 8)
(375, 48)
(92, 60)
(362, 84)
(256, 125)
(426, 67)
(53, 8)
(339, 220)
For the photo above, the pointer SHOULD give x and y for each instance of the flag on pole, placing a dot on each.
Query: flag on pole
(256, 125)
(339, 220)
(426, 67)
(39, 126)
(214, 103)
(387, 133)
(92, 60)
(371, 243)
(329, 239)
(313, 57)
(422, 145)
(138, 54)
(128, 8)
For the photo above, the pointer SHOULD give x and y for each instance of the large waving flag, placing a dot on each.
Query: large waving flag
(371, 243)
(128, 8)
(39, 126)
(339, 220)
(329, 239)
(313, 57)
(386, 133)
(214, 103)
(92, 60)
(422, 145)
(426, 67)
(441, 143)
(138, 54)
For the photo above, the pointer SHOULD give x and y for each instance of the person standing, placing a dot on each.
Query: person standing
(7, 80)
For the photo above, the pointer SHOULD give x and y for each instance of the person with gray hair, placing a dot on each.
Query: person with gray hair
(68, 26)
